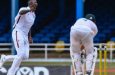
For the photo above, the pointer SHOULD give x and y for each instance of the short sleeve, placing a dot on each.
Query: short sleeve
(24, 8)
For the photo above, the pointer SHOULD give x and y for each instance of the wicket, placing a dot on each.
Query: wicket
(102, 64)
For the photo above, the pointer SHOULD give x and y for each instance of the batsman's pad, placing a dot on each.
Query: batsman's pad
(94, 60)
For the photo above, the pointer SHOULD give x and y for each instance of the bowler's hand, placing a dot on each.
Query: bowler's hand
(30, 40)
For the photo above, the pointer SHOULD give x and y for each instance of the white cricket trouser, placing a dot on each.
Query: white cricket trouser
(82, 36)
(21, 43)
(22, 47)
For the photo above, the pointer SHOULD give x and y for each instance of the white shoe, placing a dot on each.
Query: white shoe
(79, 73)
(9, 74)
(2, 60)
(3, 70)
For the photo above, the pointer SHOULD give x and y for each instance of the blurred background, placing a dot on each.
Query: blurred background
(50, 33)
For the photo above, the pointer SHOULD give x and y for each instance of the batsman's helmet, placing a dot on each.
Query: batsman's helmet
(90, 17)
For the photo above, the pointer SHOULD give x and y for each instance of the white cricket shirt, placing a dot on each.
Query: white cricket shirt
(24, 22)
(84, 23)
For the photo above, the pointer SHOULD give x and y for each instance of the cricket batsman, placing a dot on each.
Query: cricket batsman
(81, 37)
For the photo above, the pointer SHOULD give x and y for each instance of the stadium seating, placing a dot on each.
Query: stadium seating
(5, 22)
(105, 20)
(54, 19)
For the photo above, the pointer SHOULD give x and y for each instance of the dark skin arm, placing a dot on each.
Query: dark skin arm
(82, 47)
(30, 37)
